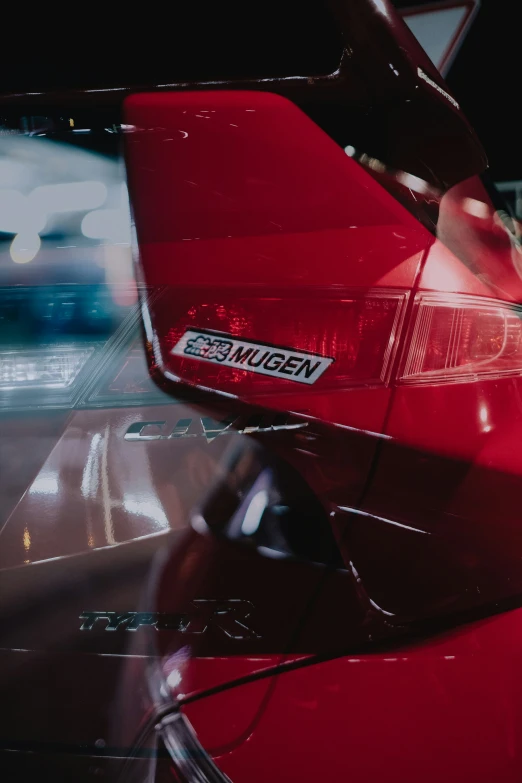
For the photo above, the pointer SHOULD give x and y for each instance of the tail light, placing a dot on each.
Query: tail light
(463, 339)
(71, 346)
(261, 345)
(265, 344)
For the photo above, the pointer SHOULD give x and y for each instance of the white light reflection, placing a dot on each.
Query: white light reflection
(26, 216)
(109, 89)
(380, 609)
(111, 224)
(485, 424)
(90, 479)
(475, 208)
(254, 513)
(382, 519)
(18, 214)
(147, 508)
(24, 247)
(27, 543)
(12, 172)
(174, 679)
(69, 197)
(412, 182)
(46, 484)
(173, 670)
(379, 4)
(271, 553)
(199, 524)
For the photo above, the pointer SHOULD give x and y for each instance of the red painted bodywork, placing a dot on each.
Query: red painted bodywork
(254, 202)
(448, 708)
(230, 172)
(241, 199)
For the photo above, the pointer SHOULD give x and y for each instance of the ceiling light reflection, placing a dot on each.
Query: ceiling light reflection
(24, 247)
(254, 513)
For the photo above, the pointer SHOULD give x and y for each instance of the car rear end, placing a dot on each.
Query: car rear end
(319, 268)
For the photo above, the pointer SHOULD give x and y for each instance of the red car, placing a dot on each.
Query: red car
(323, 267)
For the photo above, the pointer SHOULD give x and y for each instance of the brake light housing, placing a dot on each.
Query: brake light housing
(461, 339)
(250, 345)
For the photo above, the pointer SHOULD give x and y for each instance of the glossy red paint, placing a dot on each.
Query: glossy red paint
(450, 471)
(254, 197)
(181, 147)
(277, 172)
(472, 229)
(453, 700)
(264, 202)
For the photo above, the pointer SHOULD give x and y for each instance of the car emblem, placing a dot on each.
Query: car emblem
(210, 429)
(263, 358)
(228, 616)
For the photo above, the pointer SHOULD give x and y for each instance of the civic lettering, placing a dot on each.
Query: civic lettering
(210, 429)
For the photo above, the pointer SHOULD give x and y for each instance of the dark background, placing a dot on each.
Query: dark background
(486, 79)
(486, 76)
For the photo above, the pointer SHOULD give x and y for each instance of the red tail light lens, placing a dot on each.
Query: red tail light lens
(462, 339)
(268, 344)
(253, 346)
